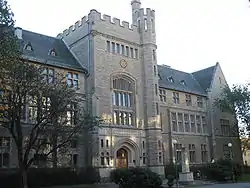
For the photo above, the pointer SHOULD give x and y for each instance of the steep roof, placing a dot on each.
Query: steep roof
(178, 80)
(205, 76)
(41, 47)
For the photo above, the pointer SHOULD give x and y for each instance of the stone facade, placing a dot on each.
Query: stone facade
(149, 111)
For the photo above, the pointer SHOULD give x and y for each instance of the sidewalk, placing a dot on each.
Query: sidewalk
(196, 183)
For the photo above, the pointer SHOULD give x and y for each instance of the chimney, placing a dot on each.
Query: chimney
(19, 33)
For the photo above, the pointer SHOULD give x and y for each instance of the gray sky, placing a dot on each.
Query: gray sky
(191, 34)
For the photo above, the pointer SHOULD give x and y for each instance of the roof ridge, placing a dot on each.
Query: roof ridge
(203, 69)
(175, 69)
(41, 34)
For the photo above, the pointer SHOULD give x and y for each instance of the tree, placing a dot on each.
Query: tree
(41, 115)
(10, 52)
(236, 100)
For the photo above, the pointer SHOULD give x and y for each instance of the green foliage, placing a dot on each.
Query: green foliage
(6, 15)
(172, 169)
(50, 177)
(221, 170)
(136, 178)
(9, 45)
(236, 101)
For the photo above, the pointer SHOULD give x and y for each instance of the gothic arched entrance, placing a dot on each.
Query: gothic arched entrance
(122, 158)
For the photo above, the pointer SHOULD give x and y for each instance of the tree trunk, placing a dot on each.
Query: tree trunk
(24, 179)
(54, 153)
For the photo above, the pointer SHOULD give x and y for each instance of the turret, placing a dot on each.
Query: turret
(136, 5)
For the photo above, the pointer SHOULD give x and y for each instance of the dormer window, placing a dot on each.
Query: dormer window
(183, 82)
(53, 52)
(170, 79)
(28, 47)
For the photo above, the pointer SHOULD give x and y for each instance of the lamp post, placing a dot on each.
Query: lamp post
(175, 162)
(231, 158)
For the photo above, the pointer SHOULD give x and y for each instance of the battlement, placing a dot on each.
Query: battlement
(148, 12)
(95, 17)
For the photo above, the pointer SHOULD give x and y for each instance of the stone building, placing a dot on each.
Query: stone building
(150, 111)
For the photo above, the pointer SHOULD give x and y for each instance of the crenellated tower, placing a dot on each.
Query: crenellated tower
(136, 5)
(145, 22)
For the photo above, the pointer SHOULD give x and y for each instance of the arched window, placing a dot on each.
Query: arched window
(102, 158)
(123, 101)
(107, 159)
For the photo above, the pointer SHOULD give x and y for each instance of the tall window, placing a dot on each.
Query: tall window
(32, 108)
(127, 51)
(204, 158)
(200, 101)
(118, 48)
(174, 121)
(107, 143)
(154, 55)
(107, 159)
(186, 121)
(102, 159)
(145, 24)
(188, 100)
(192, 156)
(71, 115)
(192, 119)
(155, 70)
(180, 122)
(176, 98)
(156, 89)
(102, 143)
(73, 80)
(226, 152)
(204, 124)
(224, 127)
(198, 123)
(73, 143)
(123, 100)
(177, 153)
(157, 109)
(136, 53)
(4, 152)
(132, 52)
(123, 49)
(163, 97)
(49, 74)
(113, 47)
(108, 46)
(160, 157)
(144, 158)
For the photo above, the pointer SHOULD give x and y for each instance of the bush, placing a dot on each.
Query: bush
(136, 178)
(221, 170)
(170, 169)
(38, 177)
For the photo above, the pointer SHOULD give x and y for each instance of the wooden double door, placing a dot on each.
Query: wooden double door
(122, 158)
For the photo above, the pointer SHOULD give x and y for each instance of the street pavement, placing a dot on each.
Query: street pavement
(232, 185)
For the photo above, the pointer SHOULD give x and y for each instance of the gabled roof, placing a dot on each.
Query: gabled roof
(41, 47)
(205, 76)
(191, 85)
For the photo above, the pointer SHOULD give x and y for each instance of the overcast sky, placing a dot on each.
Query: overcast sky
(191, 34)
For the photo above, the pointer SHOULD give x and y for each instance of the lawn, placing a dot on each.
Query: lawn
(74, 186)
(244, 178)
